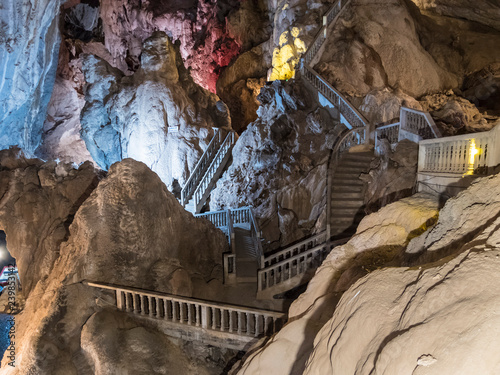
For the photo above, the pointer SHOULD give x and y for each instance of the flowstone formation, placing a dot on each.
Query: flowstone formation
(158, 115)
(432, 318)
(280, 165)
(29, 44)
(125, 229)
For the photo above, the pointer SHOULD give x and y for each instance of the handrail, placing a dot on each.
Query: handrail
(205, 181)
(415, 124)
(471, 154)
(256, 237)
(350, 113)
(273, 258)
(210, 315)
(200, 168)
(346, 140)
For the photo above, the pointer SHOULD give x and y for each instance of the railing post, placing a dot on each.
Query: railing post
(204, 316)
(119, 299)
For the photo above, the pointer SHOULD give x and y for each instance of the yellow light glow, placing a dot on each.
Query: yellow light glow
(473, 151)
(287, 55)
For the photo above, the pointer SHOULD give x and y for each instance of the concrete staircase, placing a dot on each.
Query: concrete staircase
(347, 193)
(246, 255)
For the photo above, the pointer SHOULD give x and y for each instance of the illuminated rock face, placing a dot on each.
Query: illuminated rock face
(279, 165)
(434, 318)
(211, 33)
(28, 62)
(158, 115)
(65, 226)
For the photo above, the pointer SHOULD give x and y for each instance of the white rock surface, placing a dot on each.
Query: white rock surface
(379, 238)
(158, 115)
(29, 44)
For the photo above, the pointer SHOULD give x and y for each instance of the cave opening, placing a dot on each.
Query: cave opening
(7, 300)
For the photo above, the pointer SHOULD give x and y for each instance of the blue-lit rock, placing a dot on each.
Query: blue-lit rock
(158, 116)
(28, 62)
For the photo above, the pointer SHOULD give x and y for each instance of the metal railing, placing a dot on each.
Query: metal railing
(226, 220)
(389, 132)
(419, 123)
(195, 312)
(350, 114)
(206, 181)
(201, 167)
(472, 154)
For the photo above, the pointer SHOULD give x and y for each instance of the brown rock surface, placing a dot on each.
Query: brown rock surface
(128, 231)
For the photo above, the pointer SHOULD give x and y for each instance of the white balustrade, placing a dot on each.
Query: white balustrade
(472, 154)
(419, 123)
(295, 261)
(294, 266)
(194, 312)
(295, 249)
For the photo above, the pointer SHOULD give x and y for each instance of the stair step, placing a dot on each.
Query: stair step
(347, 182)
(347, 202)
(351, 170)
(346, 195)
(346, 176)
(347, 189)
(347, 211)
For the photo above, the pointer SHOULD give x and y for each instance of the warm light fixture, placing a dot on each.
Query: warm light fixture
(473, 151)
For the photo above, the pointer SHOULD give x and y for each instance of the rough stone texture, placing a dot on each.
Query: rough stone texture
(456, 115)
(392, 176)
(392, 45)
(439, 320)
(37, 206)
(379, 238)
(29, 44)
(279, 165)
(211, 33)
(461, 219)
(127, 230)
(383, 106)
(129, 116)
(142, 350)
(482, 11)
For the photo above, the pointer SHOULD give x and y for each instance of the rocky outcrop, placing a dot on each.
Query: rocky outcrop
(279, 165)
(435, 318)
(378, 241)
(211, 34)
(129, 230)
(29, 44)
(393, 46)
(393, 175)
(39, 201)
(158, 115)
(462, 218)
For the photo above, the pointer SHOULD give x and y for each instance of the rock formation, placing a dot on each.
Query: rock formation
(29, 44)
(158, 115)
(279, 165)
(127, 230)
(435, 318)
